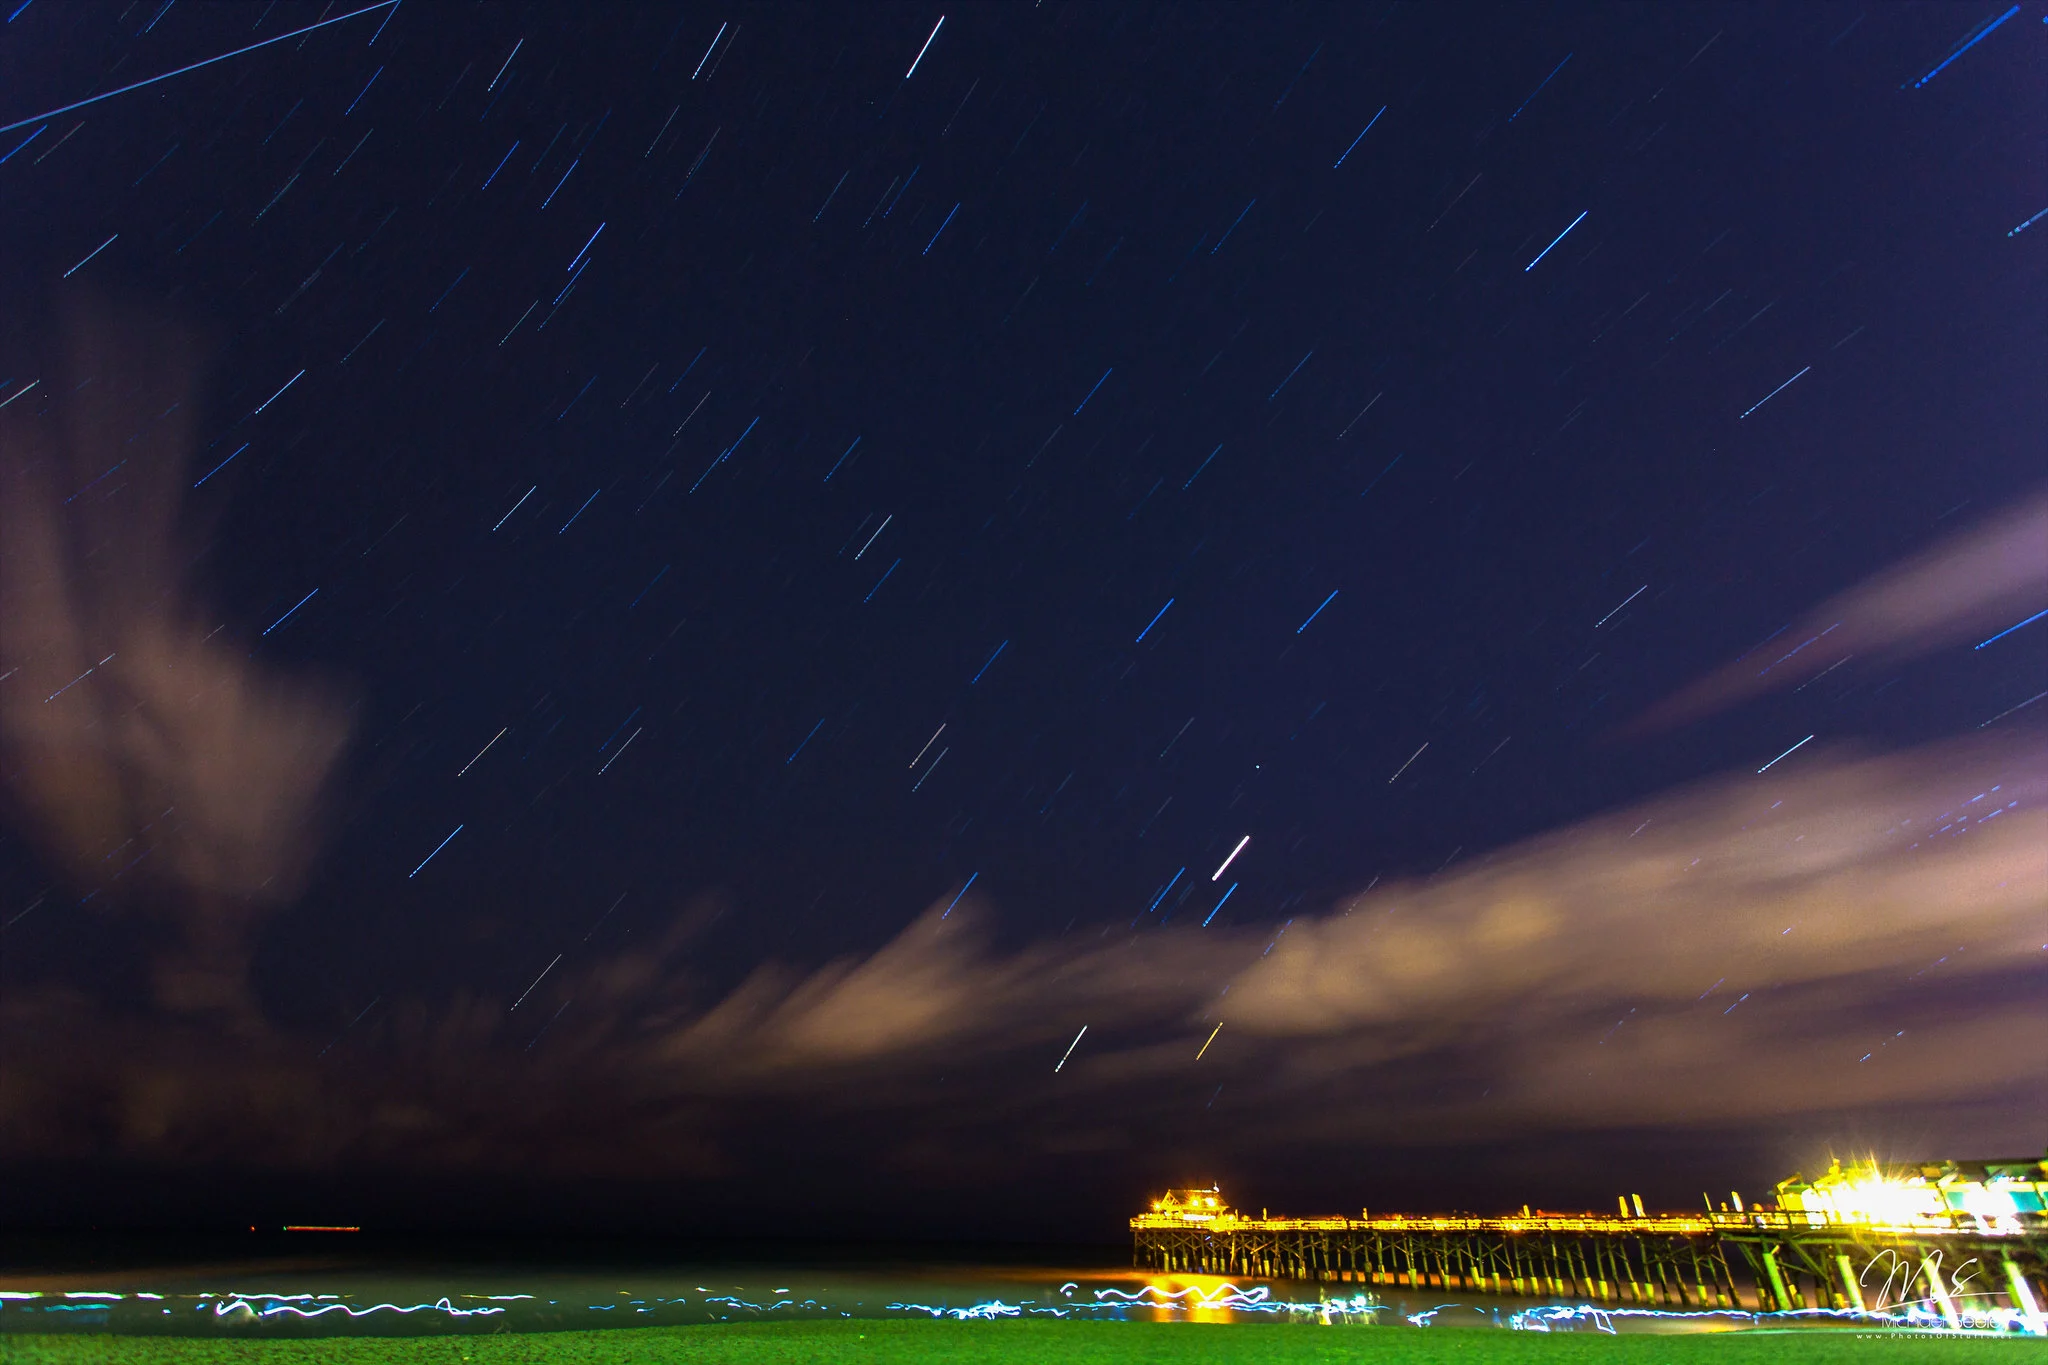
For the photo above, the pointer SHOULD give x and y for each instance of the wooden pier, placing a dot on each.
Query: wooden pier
(1747, 1259)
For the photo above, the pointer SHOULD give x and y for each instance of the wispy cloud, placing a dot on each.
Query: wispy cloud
(1970, 585)
(1860, 936)
(1745, 916)
(139, 742)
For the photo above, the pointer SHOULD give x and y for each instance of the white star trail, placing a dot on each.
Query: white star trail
(536, 981)
(1624, 602)
(481, 752)
(1218, 873)
(1411, 758)
(921, 51)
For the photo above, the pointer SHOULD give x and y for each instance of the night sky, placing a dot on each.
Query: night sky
(647, 617)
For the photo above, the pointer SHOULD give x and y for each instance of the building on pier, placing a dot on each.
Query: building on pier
(1946, 1235)
(1937, 1193)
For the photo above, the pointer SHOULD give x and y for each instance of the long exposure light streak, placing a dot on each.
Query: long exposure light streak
(1560, 237)
(1070, 1049)
(984, 668)
(708, 51)
(1217, 875)
(2010, 709)
(956, 900)
(928, 744)
(1978, 37)
(275, 1305)
(88, 256)
(621, 749)
(926, 48)
(1404, 767)
(1197, 1301)
(109, 94)
(1624, 602)
(1360, 138)
(275, 396)
(1171, 883)
(508, 63)
(430, 857)
(1787, 754)
(2010, 629)
(288, 615)
(1314, 614)
(486, 749)
(1151, 623)
(222, 465)
(1773, 393)
(536, 981)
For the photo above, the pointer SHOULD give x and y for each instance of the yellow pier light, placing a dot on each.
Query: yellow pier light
(1989, 1195)
(1180, 1207)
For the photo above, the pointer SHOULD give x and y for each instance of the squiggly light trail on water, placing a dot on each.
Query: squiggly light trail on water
(1219, 1298)
(994, 1308)
(275, 1305)
(1224, 1296)
(1918, 1315)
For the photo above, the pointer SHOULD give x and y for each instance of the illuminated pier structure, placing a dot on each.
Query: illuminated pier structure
(1948, 1236)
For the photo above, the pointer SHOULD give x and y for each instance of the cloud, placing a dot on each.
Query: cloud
(1976, 582)
(1846, 935)
(1862, 936)
(1732, 948)
(138, 742)
(935, 991)
(1863, 932)
(1830, 873)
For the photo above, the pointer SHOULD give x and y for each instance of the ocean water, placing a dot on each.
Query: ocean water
(357, 1295)
(343, 1289)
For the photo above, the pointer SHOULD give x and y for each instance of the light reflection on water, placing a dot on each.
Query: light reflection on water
(335, 1300)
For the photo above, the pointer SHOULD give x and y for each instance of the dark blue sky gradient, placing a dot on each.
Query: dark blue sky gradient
(1479, 456)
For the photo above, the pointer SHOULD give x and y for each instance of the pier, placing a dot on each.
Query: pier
(1947, 1235)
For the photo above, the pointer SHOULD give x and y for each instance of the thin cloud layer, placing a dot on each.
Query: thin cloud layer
(140, 745)
(1976, 582)
(1814, 901)
(1845, 868)
(1859, 936)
